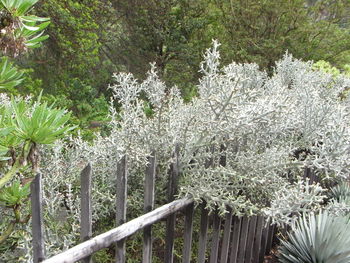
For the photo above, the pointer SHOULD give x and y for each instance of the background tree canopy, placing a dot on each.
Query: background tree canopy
(91, 39)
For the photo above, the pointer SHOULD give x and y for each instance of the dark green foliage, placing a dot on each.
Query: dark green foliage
(170, 33)
(89, 40)
(261, 31)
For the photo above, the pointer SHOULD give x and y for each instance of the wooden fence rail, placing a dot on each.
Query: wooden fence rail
(117, 234)
(226, 240)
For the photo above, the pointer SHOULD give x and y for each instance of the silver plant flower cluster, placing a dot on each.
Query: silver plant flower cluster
(245, 142)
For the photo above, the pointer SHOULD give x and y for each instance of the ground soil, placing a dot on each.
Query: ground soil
(272, 258)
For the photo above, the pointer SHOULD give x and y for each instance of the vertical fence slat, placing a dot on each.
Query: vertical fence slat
(257, 241)
(243, 239)
(264, 237)
(270, 239)
(203, 234)
(250, 240)
(226, 237)
(170, 223)
(86, 210)
(235, 239)
(186, 257)
(148, 206)
(37, 219)
(122, 180)
(215, 239)
(169, 238)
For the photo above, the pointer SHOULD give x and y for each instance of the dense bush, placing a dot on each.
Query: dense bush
(269, 128)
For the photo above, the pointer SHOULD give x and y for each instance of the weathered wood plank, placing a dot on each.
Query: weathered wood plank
(86, 210)
(265, 234)
(37, 219)
(122, 181)
(171, 220)
(169, 238)
(257, 241)
(226, 237)
(203, 234)
(250, 240)
(119, 233)
(214, 253)
(270, 239)
(237, 222)
(243, 239)
(186, 255)
(148, 206)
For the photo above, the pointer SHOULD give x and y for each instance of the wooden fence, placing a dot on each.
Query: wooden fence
(230, 239)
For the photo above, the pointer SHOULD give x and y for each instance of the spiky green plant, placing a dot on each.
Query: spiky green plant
(321, 238)
(340, 191)
(22, 31)
(14, 194)
(10, 76)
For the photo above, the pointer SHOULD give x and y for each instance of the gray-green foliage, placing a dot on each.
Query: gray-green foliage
(321, 238)
(339, 199)
(340, 191)
(258, 122)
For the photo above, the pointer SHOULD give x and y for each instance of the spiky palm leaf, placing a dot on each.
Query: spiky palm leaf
(318, 238)
(340, 191)
(41, 124)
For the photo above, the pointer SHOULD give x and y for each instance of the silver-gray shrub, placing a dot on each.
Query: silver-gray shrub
(255, 121)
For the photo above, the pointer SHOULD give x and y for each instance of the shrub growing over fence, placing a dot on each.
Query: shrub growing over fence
(245, 142)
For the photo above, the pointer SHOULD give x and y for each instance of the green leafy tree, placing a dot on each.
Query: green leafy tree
(169, 33)
(24, 124)
(261, 31)
(71, 67)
